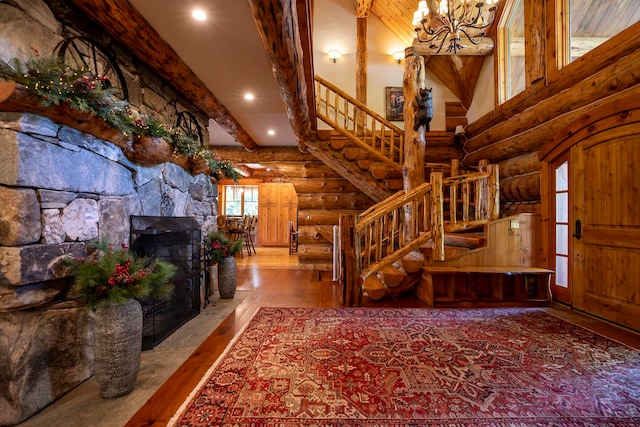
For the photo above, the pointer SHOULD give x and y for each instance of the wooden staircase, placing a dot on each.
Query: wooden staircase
(407, 239)
(364, 147)
(380, 171)
(391, 234)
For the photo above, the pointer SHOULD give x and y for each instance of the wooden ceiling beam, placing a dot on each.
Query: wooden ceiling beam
(279, 30)
(263, 155)
(125, 24)
(483, 48)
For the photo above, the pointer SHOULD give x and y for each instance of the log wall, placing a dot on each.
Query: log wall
(323, 195)
(512, 134)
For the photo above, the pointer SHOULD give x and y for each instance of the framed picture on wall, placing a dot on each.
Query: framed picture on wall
(395, 103)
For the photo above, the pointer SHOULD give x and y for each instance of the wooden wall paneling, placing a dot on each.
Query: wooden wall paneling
(507, 246)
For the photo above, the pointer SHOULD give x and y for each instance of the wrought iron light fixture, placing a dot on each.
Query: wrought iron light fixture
(452, 20)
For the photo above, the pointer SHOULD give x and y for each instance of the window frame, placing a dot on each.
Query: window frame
(503, 48)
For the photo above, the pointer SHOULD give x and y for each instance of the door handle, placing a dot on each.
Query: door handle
(578, 233)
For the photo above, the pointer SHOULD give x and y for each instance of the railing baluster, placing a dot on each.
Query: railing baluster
(365, 125)
(465, 202)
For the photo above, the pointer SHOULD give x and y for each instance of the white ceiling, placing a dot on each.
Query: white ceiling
(226, 53)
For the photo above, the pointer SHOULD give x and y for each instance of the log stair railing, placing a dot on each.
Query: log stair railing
(366, 128)
(391, 231)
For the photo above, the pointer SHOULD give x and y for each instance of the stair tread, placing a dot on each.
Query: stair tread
(464, 240)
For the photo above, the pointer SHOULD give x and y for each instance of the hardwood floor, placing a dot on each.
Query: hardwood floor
(275, 280)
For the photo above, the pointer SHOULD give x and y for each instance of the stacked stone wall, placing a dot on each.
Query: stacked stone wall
(59, 190)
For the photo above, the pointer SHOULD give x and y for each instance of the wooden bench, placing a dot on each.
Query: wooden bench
(471, 286)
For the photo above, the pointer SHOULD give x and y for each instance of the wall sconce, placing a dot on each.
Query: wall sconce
(459, 135)
(334, 55)
(398, 56)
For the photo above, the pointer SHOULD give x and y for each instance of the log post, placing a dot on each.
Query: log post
(361, 71)
(481, 192)
(453, 192)
(493, 198)
(437, 216)
(414, 140)
(351, 292)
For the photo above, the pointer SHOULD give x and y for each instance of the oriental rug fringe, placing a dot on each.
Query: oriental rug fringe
(415, 367)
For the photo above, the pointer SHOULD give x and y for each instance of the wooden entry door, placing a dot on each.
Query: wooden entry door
(605, 194)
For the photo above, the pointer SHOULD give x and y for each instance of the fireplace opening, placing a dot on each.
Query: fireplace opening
(176, 240)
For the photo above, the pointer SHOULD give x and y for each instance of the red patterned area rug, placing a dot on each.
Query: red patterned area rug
(415, 367)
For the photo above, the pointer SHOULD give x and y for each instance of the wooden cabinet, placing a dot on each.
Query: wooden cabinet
(277, 205)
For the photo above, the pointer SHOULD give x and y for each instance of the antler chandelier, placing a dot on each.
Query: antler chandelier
(453, 19)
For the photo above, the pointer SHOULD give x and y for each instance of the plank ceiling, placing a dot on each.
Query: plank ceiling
(592, 22)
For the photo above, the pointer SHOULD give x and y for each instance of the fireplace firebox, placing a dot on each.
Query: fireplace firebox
(176, 240)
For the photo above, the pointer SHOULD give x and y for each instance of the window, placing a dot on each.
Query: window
(585, 24)
(511, 58)
(562, 224)
(240, 200)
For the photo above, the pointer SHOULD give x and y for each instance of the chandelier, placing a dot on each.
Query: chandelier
(452, 20)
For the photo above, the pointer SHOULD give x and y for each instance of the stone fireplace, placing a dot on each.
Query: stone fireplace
(176, 240)
(61, 189)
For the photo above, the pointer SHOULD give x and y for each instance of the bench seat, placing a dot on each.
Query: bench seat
(481, 286)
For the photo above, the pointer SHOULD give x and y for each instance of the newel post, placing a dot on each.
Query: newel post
(494, 191)
(351, 290)
(414, 139)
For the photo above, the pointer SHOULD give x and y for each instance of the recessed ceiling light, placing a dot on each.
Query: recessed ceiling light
(271, 132)
(199, 15)
(249, 96)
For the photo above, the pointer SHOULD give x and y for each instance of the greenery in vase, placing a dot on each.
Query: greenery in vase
(55, 83)
(111, 276)
(220, 246)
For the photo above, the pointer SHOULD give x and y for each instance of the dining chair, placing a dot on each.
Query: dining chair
(249, 232)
